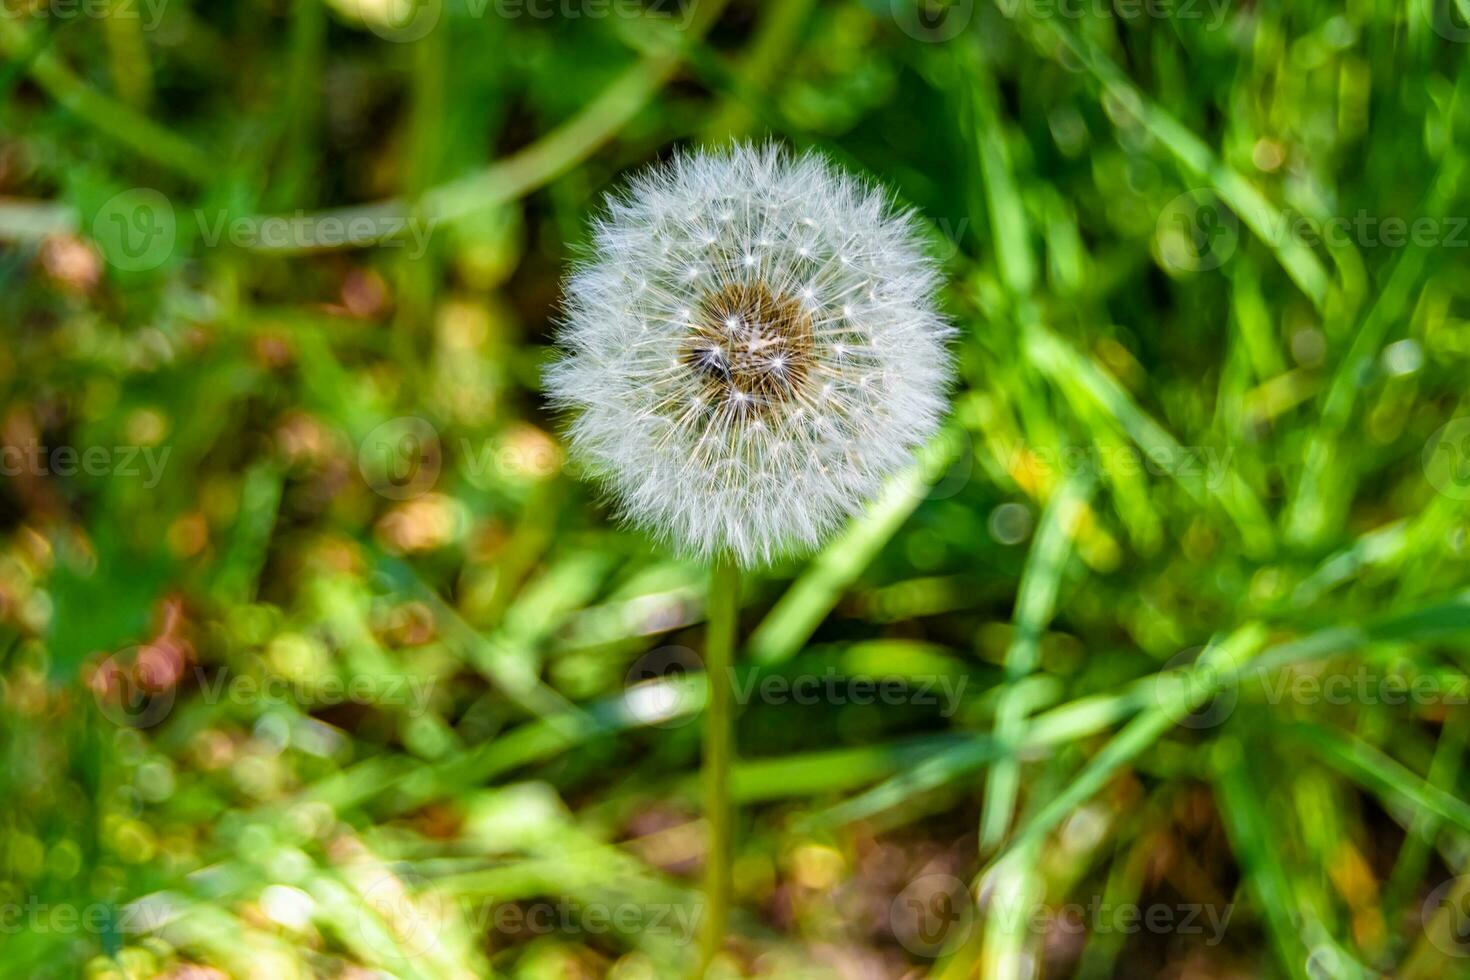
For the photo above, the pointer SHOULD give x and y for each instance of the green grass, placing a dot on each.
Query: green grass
(1174, 614)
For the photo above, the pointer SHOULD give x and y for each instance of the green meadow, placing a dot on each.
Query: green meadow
(320, 657)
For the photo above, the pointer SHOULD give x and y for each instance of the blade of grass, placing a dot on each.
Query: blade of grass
(1035, 605)
(503, 662)
(944, 766)
(1243, 197)
(799, 612)
(132, 73)
(1077, 375)
(775, 44)
(1008, 225)
(1253, 835)
(1324, 483)
(1377, 772)
(1413, 859)
(1015, 888)
(1140, 733)
(540, 163)
(113, 119)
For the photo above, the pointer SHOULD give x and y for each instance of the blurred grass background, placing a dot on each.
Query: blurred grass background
(327, 665)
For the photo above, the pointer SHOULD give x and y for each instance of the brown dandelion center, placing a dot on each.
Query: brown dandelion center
(753, 349)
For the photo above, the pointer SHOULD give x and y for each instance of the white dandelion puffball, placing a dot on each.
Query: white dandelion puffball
(750, 350)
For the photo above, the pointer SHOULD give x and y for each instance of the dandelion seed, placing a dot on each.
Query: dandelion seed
(803, 403)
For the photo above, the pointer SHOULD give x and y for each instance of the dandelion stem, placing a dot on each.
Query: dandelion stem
(719, 745)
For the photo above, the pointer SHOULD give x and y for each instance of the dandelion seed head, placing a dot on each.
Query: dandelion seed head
(742, 405)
